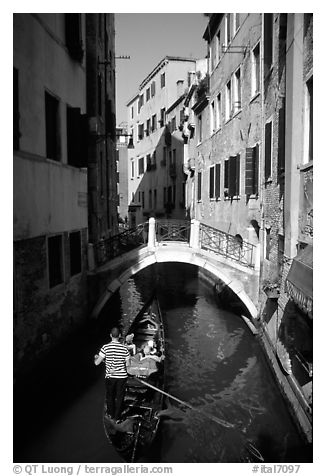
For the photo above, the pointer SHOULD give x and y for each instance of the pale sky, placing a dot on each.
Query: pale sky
(147, 38)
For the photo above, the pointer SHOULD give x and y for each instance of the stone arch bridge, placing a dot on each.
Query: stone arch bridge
(232, 262)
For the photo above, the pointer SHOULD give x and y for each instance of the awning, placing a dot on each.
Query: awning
(298, 283)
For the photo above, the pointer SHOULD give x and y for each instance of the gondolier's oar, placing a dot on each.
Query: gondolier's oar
(211, 417)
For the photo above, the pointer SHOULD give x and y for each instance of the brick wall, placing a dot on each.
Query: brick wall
(44, 316)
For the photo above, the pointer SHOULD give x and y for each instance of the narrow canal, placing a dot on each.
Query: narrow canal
(213, 362)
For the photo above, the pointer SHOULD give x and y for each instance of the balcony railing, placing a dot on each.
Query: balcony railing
(227, 245)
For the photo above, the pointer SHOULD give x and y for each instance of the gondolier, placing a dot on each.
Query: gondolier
(116, 356)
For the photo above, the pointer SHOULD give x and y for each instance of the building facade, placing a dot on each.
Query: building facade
(102, 171)
(250, 172)
(122, 145)
(54, 156)
(155, 173)
(287, 183)
(227, 119)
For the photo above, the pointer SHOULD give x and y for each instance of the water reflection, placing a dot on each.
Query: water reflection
(215, 364)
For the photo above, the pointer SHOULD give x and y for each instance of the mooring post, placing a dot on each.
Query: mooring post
(151, 234)
(194, 234)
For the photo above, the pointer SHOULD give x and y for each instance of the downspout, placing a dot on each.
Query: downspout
(262, 161)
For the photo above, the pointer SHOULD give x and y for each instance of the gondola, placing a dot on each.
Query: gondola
(133, 435)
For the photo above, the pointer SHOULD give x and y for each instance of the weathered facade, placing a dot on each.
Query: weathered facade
(156, 174)
(122, 144)
(287, 299)
(227, 120)
(100, 71)
(53, 90)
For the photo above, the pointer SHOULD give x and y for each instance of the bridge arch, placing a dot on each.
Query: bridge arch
(175, 253)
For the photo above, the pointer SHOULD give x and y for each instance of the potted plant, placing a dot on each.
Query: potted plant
(271, 288)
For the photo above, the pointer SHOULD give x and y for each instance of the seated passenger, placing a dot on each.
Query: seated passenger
(130, 345)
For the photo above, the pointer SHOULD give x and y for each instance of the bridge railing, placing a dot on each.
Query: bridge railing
(172, 230)
(227, 245)
(116, 245)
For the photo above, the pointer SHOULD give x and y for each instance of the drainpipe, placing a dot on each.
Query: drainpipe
(262, 161)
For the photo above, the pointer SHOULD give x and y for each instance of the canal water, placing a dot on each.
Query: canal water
(213, 362)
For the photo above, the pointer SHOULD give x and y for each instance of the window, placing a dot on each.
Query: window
(173, 124)
(154, 160)
(148, 126)
(132, 196)
(213, 117)
(99, 94)
(73, 35)
(228, 100)
(148, 162)
(199, 178)
(76, 138)
(308, 155)
(140, 131)
(236, 20)
(217, 181)
(153, 89)
(267, 243)
(148, 94)
(75, 253)
(255, 73)
(132, 168)
(52, 127)
(227, 28)
(218, 111)
(268, 150)
(268, 42)
(140, 166)
(150, 199)
(143, 199)
(132, 112)
(252, 171)
(16, 110)
(162, 80)
(55, 260)
(154, 123)
(162, 117)
(211, 181)
(217, 47)
(237, 91)
(155, 199)
(200, 128)
(140, 102)
(165, 195)
(164, 156)
(232, 177)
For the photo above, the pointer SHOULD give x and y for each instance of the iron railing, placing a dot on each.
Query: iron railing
(172, 230)
(121, 243)
(227, 245)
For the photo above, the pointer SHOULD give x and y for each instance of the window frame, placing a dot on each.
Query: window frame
(255, 64)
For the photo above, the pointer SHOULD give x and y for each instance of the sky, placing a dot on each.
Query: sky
(147, 38)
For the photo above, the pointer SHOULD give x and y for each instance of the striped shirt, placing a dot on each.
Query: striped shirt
(115, 355)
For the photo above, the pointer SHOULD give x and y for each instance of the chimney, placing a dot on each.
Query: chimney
(180, 90)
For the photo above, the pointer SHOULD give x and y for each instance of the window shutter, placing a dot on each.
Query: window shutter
(256, 170)
(217, 180)
(226, 178)
(250, 171)
(211, 182)
(232, 176)
(237, 175)
(268, 149)
(281, 140)
(199, 187)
